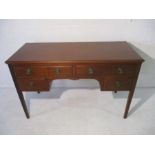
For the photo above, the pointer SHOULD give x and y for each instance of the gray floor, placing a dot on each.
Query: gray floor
(77, 111)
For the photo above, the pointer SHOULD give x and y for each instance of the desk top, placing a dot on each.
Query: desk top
(99, 52)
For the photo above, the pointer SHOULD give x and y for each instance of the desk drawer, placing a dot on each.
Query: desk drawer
(120, 69)
(60, 71)
(106, 70)
(117, 83)
(33, 85)
(89, 70)
(29, 71)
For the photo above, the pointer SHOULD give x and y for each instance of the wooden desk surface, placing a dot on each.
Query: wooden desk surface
(75, 52)
(115, 65)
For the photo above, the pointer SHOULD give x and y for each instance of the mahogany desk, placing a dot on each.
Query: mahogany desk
(113, 64)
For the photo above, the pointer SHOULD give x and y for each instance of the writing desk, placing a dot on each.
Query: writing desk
(113, 64)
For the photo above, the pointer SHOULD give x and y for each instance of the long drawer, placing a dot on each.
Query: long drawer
(91, 70)
(51, 71)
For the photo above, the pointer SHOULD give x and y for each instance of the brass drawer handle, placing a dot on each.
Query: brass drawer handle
(57, 71)
(29, 71)
(120, 70)
(31, 84)
(118, 84)
(90, 71)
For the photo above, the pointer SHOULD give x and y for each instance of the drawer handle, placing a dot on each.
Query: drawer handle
(31, 84)
(57, 71)
(28, 71)
(90, 71)
(118, 84)
(120, 70)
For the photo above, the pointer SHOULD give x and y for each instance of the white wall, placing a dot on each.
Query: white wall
(140, 33)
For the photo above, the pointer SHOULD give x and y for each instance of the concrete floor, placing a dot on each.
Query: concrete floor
(77, 111)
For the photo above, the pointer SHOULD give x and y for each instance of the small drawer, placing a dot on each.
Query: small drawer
(29, 71)
(125, 70)
(117, 83)
(60, 71)
(88, 70)
(33, 85)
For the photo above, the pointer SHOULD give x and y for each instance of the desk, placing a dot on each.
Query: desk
(113, 64)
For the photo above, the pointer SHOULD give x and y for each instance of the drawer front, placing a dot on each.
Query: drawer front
(116, 69)
(88, 70)
(33, 85)
(106, 70)
(60, 71)
(117, 83)
(29, 71)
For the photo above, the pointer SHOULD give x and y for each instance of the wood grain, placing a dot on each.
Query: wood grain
(75, 52)
(114, 65)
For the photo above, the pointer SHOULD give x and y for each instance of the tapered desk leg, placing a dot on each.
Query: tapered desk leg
(20, 94)
(22, 100)
(131, 92)
(128, 103)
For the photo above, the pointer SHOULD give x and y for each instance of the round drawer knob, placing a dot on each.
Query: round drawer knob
(120, 70)
(29, 71)
(90, 71)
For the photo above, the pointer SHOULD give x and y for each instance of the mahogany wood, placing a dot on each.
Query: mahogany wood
(114, 64)
(20, 94)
